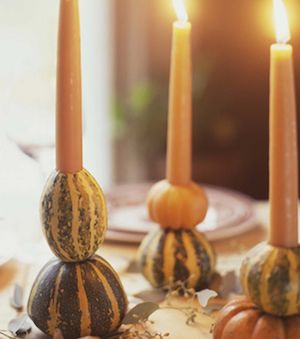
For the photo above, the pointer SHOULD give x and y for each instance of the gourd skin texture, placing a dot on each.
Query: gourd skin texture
(168, 256)
(241, 319)
(80, 299)
(177, 207)
(73, 215)
(270, 277)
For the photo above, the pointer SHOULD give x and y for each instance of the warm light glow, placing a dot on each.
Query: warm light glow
(281, 22)
(180, 10)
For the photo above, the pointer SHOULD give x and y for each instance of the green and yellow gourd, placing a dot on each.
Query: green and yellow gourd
(167, 256)
(81, 299)
(270, 277)
(73, 215)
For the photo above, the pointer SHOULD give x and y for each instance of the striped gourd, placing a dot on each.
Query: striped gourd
(167, 255)
(81, 299)
(270, 277)
(73, 215)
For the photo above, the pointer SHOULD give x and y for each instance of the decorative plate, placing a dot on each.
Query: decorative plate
(230, 213)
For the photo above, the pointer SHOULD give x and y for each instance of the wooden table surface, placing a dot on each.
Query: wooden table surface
(229, 251)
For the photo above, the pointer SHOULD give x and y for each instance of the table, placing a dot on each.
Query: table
(229, 251)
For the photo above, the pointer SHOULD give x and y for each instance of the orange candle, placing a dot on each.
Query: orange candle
(283, 183)
(68, 100)
(180, 101)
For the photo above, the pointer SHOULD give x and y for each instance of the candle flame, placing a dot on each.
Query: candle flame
(281, 22)
(180, 10)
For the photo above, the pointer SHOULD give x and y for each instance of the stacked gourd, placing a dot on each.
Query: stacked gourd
(176, 251)
(270, 273)
(270, 276)
(79, 292)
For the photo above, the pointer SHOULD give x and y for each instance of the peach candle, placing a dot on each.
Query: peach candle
(68, 100)
(283, 183)
(180, 101)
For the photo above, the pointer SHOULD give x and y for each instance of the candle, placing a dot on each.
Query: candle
(68, 100)
(180, 101)
(283, 183)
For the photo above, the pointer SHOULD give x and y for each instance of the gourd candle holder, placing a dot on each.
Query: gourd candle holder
(270, 279)
(79, 292)
(270, 273)
(176, 251)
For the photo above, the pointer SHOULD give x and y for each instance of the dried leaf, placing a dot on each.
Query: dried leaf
(209, 309)
(152, 295)
(20, 326)
(215, 282)
(133, 267)
(230, 284)
(204, 296)
(16, 300)
(133, 301)
(58, 334)
(140, 312)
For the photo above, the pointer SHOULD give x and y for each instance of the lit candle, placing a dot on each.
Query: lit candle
(180, 101)
(283, 183)
(68, 100)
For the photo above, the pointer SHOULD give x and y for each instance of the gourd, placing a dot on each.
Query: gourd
(243, 319)
(176, 251)
(80, 299)
(167, 255)
(177, 206)
(270, 277)
(73, 215)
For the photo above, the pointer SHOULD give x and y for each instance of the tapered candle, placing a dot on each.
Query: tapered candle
(68, 100)
(283, 183)
(180, 101)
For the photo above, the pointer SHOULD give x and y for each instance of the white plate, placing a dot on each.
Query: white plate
(230, 213)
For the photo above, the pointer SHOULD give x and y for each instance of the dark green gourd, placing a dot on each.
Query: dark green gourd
(81, 299)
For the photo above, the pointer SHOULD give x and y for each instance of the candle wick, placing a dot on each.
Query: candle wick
(180, 10)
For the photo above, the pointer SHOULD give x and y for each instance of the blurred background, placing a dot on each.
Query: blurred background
(231, 42)
(125, 63)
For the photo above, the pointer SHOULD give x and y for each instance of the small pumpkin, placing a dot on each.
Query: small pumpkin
(174, 206)
(167, 256)
(80, 299)
(241, 318)
(270, 277)
(73, 215)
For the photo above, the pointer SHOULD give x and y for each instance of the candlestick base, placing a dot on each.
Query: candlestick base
(270, 277)
(241, 318)
(167, 256)
(80, 299)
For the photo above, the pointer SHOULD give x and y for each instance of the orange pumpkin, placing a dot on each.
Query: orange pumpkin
(177, 207)
(241, 319)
